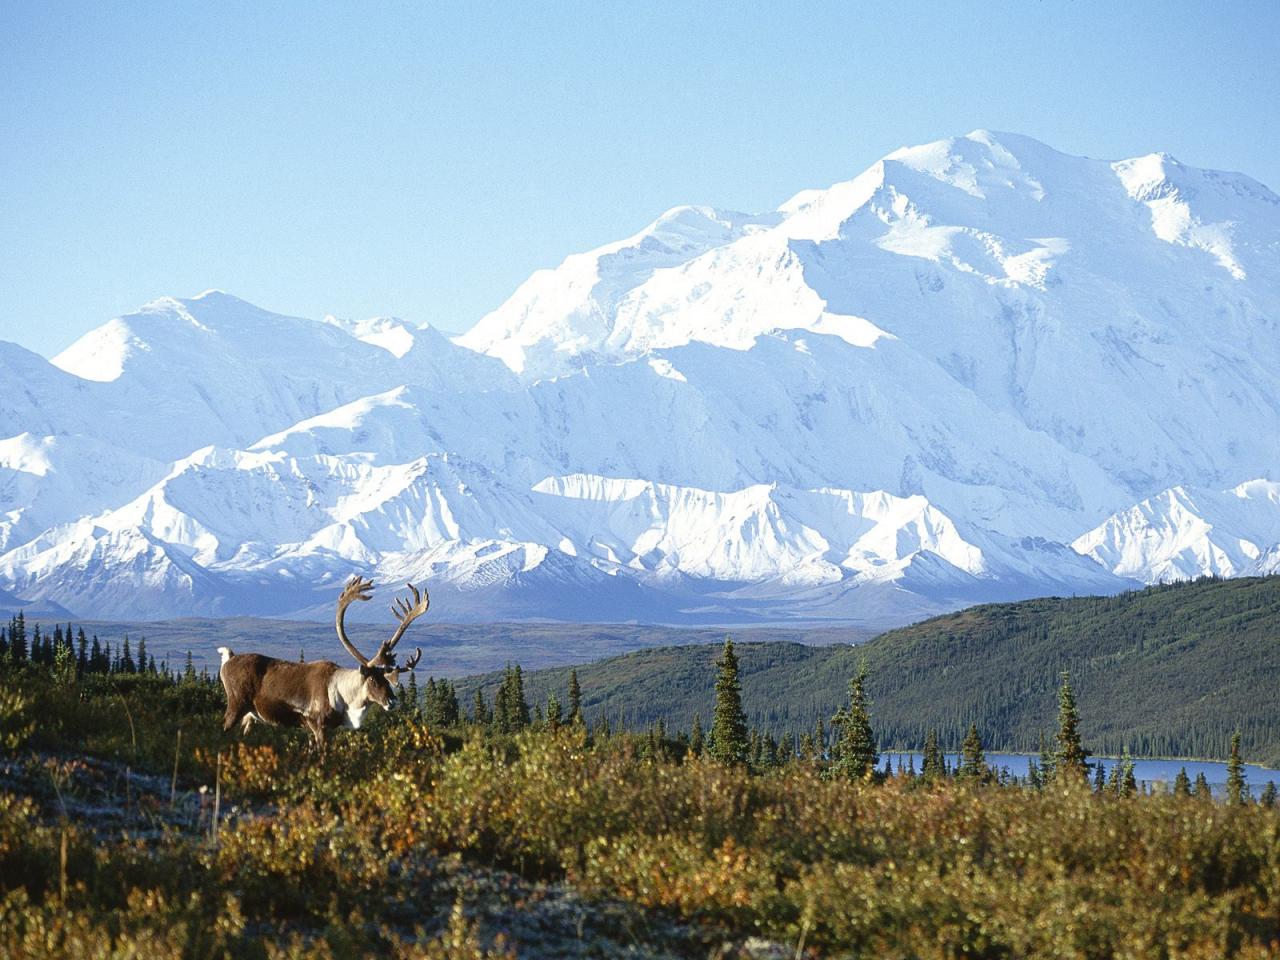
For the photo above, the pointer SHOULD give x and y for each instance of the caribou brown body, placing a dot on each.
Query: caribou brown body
(319, 695)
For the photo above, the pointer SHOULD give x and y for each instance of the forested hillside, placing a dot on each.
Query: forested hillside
(1167, 671)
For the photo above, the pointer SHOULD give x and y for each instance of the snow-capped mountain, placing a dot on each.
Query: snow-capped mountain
(948, 379)
(1182, 533)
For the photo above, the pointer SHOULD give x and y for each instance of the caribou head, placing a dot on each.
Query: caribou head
(381, 674)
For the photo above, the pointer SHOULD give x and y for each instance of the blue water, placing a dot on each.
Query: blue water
(1154, 772)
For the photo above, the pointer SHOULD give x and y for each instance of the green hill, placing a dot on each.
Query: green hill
(1167, 671)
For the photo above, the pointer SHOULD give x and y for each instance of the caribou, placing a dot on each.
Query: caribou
(320, 695)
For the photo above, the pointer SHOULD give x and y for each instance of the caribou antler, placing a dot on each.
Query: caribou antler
(357, 588)
(406, 613)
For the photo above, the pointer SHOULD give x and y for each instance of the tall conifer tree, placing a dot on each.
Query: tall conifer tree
(729, 722)
(696, 739)
(1069, 759)
(1237, 791)
(933, 766)
(575, 698)
(973, 765)
(855, 754)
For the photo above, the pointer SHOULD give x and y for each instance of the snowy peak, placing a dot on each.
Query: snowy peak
(558, 317)
(390, 333)
(1184, 533)
(980, 369)
(1000, 208)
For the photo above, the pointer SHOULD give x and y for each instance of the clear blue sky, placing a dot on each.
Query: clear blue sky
(421, 159)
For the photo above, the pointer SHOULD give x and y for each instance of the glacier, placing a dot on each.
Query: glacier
(981, 369)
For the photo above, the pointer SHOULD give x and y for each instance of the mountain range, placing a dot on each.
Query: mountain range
(981, 369)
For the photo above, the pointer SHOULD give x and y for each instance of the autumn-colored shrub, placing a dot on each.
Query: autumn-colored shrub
(340, 854)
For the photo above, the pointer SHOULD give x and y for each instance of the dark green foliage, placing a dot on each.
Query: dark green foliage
(1169, 671)
(440, 706)
(973, 765)
(1069, 757)
(1128, 784)
(1182, 784)
(479, 709)
(1202, 790)
(510, 708)
(729, 742)
(854, 755)
(575, 698)
(696, 741)
(1237, 792)
(934, 764)
(18, 637)
(1268, 797)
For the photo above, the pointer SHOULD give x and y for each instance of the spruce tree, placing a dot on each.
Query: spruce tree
(502, 713)
(479, 710)
(1099, 777)
(855, 755)
(1202, 790)
(412, 699)
(575, 698)
(554, 717)
(18, 637)
(142, 655)
(1046, 760)
(1268, 798)
(188, 669)
(696, 739)
(755, 750)
(933, 766)
(728, 722)
(82, 653)
(1128, 784)
(449, 710)
(1182, 784)
(1237, 791)
(807, 749)
(1069, 759)
(973, 766)
(519, 705)
(430, 704)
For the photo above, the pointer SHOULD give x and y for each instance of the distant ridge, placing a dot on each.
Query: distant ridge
(1166, 671)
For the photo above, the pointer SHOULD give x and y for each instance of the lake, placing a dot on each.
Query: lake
(1144, 771)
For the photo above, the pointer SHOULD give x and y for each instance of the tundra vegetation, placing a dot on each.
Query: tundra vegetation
(131, 825)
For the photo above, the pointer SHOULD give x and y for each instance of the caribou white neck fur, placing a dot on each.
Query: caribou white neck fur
(348, 695)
